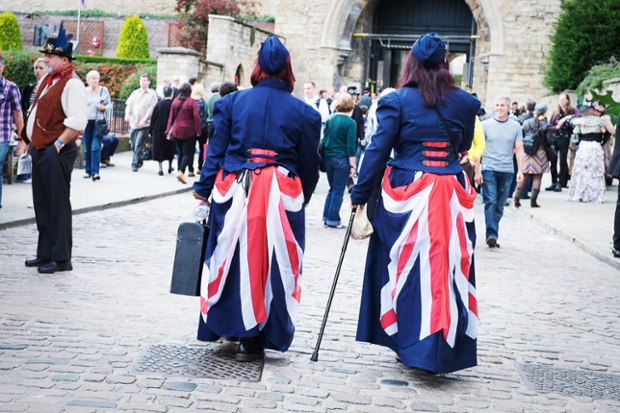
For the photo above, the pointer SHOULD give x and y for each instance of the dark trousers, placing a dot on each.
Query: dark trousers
(562, 145)
(185, 152)
(51, 189)
(616, 237)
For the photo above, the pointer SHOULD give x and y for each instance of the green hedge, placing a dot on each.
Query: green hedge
(132, 82)
(116, 74)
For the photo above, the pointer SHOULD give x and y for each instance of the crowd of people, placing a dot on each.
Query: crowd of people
(416, 155)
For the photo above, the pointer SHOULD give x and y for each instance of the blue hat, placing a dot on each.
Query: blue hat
(429, 49)
(272, 56)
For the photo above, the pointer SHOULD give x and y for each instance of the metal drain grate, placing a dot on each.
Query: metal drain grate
(546, 379)
(200, 362)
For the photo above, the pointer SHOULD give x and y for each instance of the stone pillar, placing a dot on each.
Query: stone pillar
(178, 61)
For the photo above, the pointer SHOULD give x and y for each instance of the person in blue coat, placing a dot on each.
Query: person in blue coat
(419, 291)
(261, 169)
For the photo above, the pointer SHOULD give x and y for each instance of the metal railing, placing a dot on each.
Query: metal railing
(116, 118)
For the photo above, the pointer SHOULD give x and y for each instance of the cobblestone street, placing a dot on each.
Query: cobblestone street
(548, 337)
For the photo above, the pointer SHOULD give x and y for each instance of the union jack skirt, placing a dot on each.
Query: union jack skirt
(251, 280)
(419, 295)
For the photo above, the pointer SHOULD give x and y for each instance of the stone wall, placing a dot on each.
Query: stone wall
(156, 30)
(122, 7)
(232, 51)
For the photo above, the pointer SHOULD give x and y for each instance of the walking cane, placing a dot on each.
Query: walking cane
(347, 235)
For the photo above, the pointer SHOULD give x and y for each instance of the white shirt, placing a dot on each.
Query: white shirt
(323, 109)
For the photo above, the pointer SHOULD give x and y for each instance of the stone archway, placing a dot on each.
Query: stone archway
(344, 17)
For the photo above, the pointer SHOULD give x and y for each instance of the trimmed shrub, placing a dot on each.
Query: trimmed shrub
(10, 35)
(585, 36)
(133, 42)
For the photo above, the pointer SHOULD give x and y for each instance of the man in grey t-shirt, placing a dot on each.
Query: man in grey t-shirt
(503, 136)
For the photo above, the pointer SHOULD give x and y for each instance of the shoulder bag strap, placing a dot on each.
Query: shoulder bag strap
(445, 125)
(174, 118)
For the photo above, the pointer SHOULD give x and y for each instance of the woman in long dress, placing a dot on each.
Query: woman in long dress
(587, 182)
(419, 293)
(261, 168)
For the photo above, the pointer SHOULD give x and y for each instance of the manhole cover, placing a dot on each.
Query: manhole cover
(546, 379)
(201, 362)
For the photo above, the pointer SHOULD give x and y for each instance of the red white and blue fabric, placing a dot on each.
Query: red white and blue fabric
(256, 231)
(436, 234)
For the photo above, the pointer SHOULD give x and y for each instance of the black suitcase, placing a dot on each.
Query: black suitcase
(189, 258)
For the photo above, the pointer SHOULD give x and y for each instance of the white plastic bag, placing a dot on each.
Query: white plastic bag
(24, 165)
(361, 227)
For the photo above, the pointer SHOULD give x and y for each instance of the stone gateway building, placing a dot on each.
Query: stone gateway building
(503, 43)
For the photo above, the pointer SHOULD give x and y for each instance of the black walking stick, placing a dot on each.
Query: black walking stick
(347, 235)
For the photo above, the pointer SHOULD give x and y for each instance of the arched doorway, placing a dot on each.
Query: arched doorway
(396, 24)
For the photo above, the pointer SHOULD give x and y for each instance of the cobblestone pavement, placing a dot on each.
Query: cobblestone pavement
(548, 338)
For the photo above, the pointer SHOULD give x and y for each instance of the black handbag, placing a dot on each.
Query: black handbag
(147, 154)
(101, 125)
(189, 258)
(322, 167)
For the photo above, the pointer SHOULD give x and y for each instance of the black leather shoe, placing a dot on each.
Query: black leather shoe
(54, 266)
(249, 350)
(558, 188)
(36, 262)
(615, 252)
(550, 188)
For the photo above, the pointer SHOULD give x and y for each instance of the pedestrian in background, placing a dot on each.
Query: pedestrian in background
(340, 142)
(262, 167)
(98, 100)
(10, 113)
(138, 110)
(184, 127)
(503, 138)
(198, 92)
(614, 171)
(30, 90)
(536, 164)
(562, 134)
(587, 182)
(58, 115)
(163, 148)
(415, 300)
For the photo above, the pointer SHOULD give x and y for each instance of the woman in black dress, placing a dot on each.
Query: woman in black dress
(163, 148)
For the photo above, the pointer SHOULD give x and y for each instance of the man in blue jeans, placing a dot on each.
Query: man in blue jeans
(10, 112)
(503, 137)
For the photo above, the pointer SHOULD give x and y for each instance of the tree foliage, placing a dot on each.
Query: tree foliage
(194, 19)
(10, 35)
(586, 34)
(133, 42)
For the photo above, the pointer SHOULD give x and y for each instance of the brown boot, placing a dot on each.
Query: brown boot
(534, 197)
(518, 193)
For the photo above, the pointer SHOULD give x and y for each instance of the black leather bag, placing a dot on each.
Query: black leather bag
(101, 127)
(189, 258)
(147, 154)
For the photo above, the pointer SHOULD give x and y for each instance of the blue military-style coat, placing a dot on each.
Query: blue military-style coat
(264, 117)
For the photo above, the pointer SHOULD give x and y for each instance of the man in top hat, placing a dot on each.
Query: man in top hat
(57, 116)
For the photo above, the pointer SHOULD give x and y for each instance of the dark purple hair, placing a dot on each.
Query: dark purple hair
(433, 82)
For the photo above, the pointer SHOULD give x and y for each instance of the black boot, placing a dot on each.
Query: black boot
(250, 349)
(533, 202)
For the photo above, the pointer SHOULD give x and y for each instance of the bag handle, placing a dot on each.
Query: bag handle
(98, 111)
